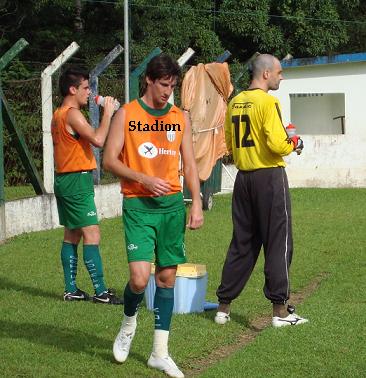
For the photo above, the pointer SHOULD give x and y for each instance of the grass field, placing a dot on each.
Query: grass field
(41, 336)
(18, 192)
(25, 191)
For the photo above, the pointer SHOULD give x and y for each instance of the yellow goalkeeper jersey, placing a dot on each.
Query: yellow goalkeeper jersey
(254, 132)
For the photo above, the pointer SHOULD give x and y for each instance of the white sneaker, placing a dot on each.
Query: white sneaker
(291, 319)
(122, 345)
(222, 317)
(166, 364)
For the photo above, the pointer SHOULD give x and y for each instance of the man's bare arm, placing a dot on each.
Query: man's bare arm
(195, 218)
(77, 123)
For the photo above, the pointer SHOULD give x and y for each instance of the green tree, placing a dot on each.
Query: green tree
(173, 25)
(354, 11)
(46, 25)
(245, 27)
(310, 27)
(299, 27)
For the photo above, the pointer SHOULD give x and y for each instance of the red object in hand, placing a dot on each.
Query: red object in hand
(295, 140)
(291, 130)
(298, 144)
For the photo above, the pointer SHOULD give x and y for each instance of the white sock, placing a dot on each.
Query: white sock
(160, 344)
(129, 323)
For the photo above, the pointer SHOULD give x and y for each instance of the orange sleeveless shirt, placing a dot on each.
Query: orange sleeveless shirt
(154, 152)
(71, 154)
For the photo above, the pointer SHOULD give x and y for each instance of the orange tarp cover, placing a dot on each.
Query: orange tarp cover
(205, 90)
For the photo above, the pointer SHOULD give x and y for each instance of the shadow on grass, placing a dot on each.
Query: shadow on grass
(68, 340)
(36, 292)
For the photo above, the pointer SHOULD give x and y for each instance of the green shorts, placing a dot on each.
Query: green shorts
(77, 210)
(149, 233)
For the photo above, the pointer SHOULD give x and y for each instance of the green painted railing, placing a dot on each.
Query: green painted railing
(135, 75)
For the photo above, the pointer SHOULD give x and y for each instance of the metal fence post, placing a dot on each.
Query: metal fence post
(93, 107)
(4, 61)
(12, 53)
(182, 61)
(126, 37)
(223, 57)
(2, 177)
(46, 94)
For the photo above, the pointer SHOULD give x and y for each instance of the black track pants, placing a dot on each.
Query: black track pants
(261, 214)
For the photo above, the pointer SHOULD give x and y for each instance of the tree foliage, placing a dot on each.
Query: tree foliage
(311, 27)
(300, 27)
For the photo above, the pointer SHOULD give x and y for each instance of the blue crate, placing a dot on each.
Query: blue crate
(189, 291)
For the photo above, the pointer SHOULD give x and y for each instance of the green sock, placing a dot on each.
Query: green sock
(131, 300)
(69, 259)
(93, 263)
(163, 307)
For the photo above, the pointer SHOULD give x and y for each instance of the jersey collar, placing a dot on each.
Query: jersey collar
(155, 112)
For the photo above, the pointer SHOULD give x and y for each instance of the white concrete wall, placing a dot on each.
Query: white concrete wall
(347, 78)
(314, 170)
(329, 160)
(228, 178)
(40, 213)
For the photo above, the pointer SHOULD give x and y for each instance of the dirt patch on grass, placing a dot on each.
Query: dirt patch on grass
(247, 336)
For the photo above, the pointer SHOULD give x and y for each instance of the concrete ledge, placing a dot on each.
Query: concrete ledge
(228, 178)
(307, 170)
(40, 213)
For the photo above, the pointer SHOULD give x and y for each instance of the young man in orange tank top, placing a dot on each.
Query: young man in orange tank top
(147, 161)
(74, 190)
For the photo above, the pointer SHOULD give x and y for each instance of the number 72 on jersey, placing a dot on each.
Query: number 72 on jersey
(242, 121)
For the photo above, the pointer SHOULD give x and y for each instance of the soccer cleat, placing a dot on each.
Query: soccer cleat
(78, 295)
(122, 345)
(166, 364)
(291, 319)
(107, 297)
(222, 317)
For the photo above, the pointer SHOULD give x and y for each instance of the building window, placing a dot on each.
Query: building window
(318, 113)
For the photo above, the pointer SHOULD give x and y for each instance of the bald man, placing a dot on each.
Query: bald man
(261, 208)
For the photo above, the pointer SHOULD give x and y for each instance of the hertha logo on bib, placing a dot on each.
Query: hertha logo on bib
(170, 135)
(148, 150)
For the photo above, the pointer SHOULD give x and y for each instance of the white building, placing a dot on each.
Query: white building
(325, 98)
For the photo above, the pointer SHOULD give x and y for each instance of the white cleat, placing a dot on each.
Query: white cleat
(122, 345)
(166, 364)
(291, 319)
(222, 317)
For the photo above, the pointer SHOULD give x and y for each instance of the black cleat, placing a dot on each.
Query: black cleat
(107, 297)
(78, 295)
(290, 309)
